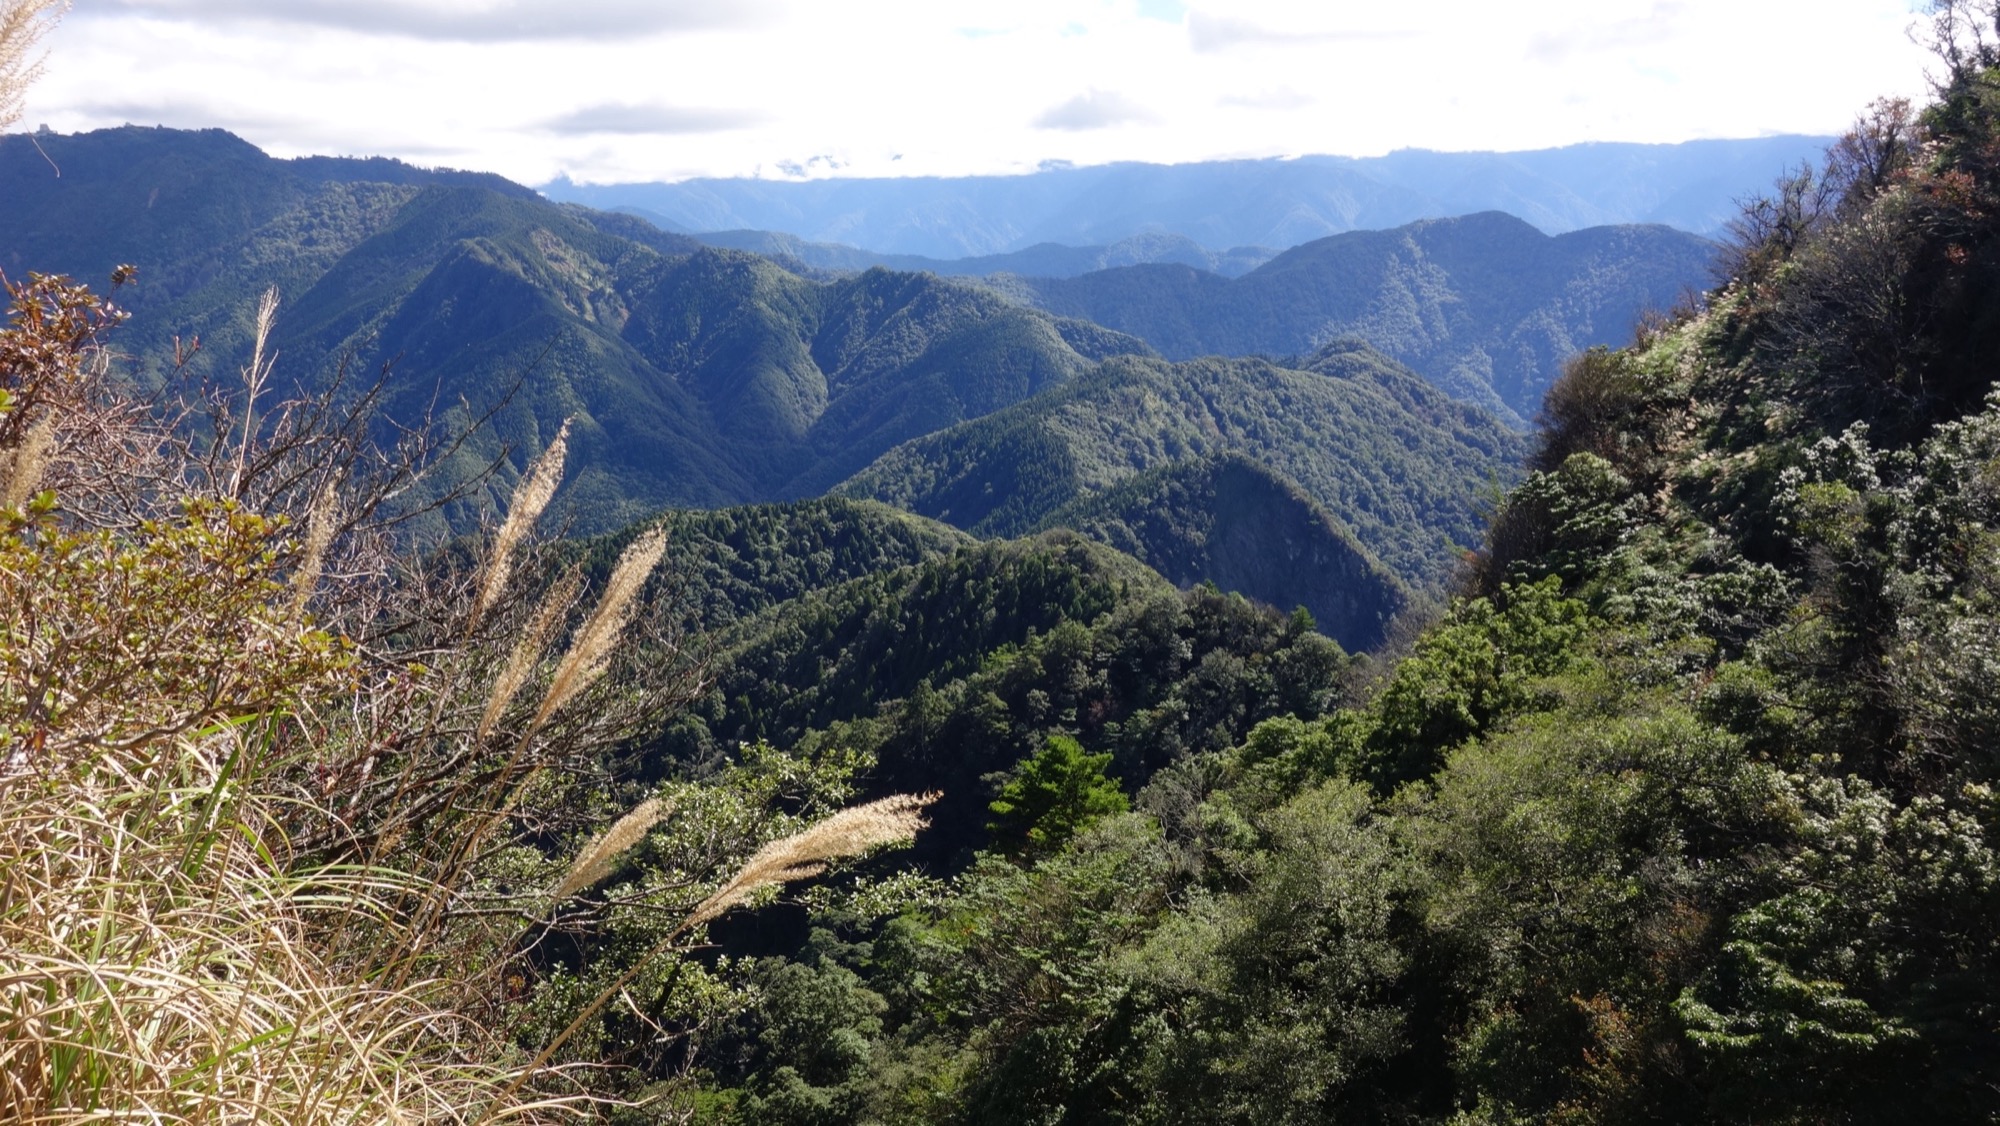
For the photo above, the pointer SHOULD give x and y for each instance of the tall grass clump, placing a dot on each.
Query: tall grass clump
(290, 809)
(159, 959)
(164, 955)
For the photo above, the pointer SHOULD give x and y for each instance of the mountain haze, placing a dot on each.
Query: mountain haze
(1693, 186)
(1044, 260)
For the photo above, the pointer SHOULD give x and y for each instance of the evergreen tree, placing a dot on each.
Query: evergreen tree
(1053, 796)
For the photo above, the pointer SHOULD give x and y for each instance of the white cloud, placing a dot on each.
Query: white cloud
(1209, 33)
(651, 119)
(1094, 109)
(1637, 29)
(471, 21)
(1280, 98)
(661, 89)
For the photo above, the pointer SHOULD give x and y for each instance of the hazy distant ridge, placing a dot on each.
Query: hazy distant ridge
(1043, 260)
(1278, 203)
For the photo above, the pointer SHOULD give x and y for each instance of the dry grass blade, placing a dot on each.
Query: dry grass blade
(164, 957)
(596, 861)
(160, 965)
(531, 496)
(850, 832)
(590, 650)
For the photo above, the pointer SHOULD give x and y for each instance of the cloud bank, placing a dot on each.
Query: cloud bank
(645, 120)
(669, 89)
(466, 21)
(1094, 109)
(1208, 34)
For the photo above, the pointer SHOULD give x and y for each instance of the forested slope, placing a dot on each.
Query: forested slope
(942, 672)
(728, 564)
(1484, 305)
(209, 219)
(1684, 812)
(1233, 522)
(1389, 456)
(694, 375)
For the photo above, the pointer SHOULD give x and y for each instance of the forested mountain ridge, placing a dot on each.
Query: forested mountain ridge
(695, 375)
(729, 564)
(1391, 457)
(946, 670)
(699, 376)
(1277, 202)
(1484, 305)
(1227, 520)
(180, 194)
(1683, 812)
(715, 377)
(209, 219)
(1236, 523)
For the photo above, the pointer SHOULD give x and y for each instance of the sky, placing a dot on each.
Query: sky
(650, 90)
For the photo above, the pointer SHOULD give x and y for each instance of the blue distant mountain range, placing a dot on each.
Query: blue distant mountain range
(1223, 205)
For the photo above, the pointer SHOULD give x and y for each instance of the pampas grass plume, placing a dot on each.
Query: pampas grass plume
(24, 468)
(22, 25)
(531, 496)
(590, 650)
(254, 378)
(320, 524)
(850, 832)
(595, 861)
(528, 650)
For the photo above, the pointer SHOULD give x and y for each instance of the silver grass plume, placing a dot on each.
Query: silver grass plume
(850, 832)
(320, 523)
(23, 23)
(255, 377)
(596, 860)
(24, 465)
(532, 494)
(590, 650)
(527, 651)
